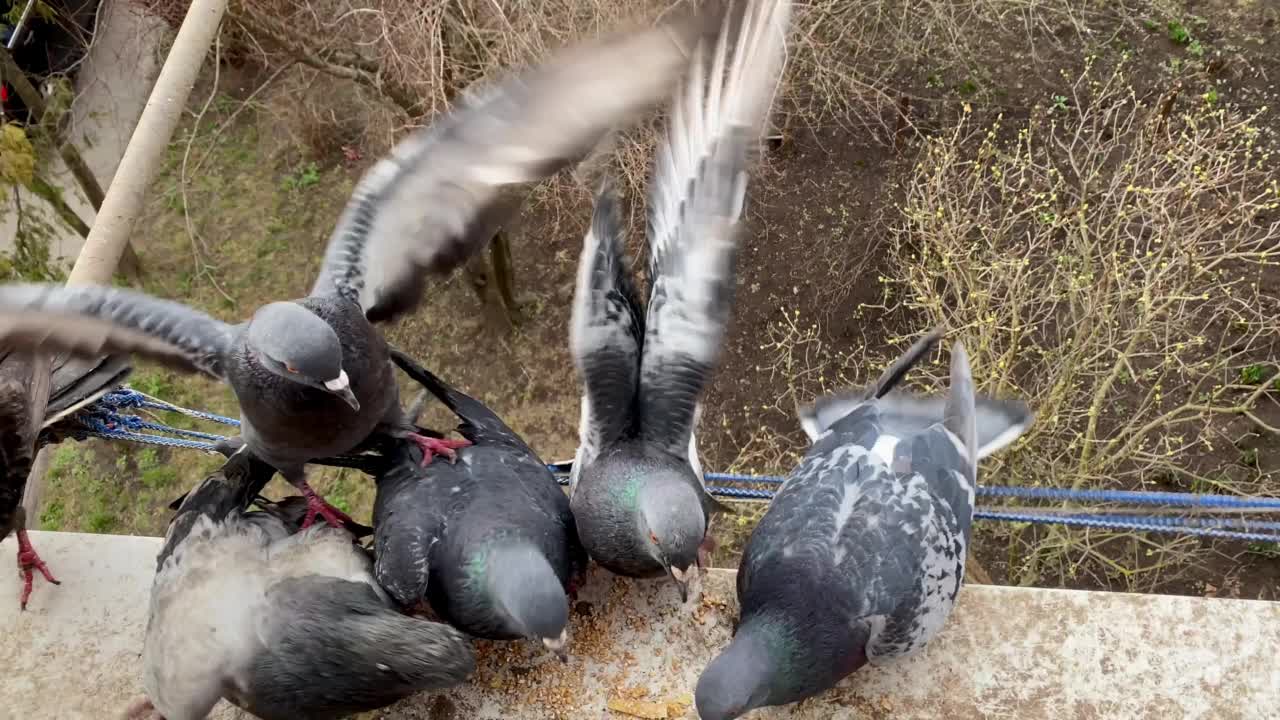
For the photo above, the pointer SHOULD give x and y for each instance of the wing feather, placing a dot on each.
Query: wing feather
(444, 191)
(87, 321)
(696, 215)
(606, 329)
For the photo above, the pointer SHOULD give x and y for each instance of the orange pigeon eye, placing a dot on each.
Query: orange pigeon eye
(654, 538)
(290, 368)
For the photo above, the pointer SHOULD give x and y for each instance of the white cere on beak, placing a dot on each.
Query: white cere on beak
(557, 644)
(339, 383)
(680, 575)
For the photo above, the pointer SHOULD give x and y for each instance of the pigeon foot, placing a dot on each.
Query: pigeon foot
(436, 446)
(142, 709)
(28, 562)
(705, 551)
(316, 505)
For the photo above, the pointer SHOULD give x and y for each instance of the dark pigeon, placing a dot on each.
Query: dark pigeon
(638, 491)
(282, 622)
(861, 554)
(489, 541)
(39, 397)
(312, 375)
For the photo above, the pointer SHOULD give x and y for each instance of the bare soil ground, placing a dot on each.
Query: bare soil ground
(821, 299)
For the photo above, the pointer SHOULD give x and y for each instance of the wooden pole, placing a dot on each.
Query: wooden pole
(123, 202)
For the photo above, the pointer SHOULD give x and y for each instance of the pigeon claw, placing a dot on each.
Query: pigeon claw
(705, 551)
(28, 562)
(437, 446)
(317, 506)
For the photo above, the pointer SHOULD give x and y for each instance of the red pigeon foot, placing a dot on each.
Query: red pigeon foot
(316, 505)
(436, 446)
(28, 562)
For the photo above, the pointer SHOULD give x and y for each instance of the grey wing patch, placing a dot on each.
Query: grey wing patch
(340, 630)
(78, 383)
(930, 512)
(445, 190)
(606, 330)
(998, 422)
(93, 320)
(696, 208)
(814, 507)
(818, 417)
(931, 575)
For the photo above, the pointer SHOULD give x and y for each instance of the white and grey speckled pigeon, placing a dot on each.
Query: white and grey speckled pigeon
(638, 493)
(312, 375)
(861, 553)
(38, 397)
(282, 622)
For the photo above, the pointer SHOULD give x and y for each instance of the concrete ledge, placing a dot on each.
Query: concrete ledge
(1007, 653)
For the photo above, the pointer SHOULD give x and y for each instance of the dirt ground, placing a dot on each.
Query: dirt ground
(250, 222)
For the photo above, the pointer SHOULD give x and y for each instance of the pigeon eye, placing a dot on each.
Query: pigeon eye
(654, 538)
(291, 368)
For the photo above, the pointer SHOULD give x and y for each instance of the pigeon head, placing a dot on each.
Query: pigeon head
(296, 344)
(737, 680)
(529, 592)
(673, 524)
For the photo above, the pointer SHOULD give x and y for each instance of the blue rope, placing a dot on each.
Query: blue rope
(1138, 524)
(1139, 497)
(106, 419)
(130, 398)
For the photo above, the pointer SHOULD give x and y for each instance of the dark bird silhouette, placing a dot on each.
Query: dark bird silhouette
(638, 492)
(861, 554)
(312, 375)
(39, 396)
(488, 541)
(282, 622)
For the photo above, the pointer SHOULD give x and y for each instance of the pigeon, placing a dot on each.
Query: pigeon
(861, 554)
(312, 375)
(280, 621)
(39, 397)
(489, 541)
(637, 488)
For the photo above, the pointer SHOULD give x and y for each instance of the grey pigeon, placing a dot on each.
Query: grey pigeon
(282, 622)
(638, 491)
(39, 396)
(312, 375)
(488, 541)
(861, 554)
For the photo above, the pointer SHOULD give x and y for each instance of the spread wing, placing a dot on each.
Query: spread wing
(606, 330)
(88, 321)
(445, 190)
(695, 217)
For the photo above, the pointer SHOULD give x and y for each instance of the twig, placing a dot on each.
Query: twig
(201, 267)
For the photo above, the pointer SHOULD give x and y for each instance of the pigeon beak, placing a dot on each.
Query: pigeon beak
(681, 578)
(557, 645)
(341, 386)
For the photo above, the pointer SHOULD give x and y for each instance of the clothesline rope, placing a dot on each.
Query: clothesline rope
(108, 418)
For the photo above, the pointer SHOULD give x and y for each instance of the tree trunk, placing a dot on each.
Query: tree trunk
(483, 282)
(31, 97)
(504, 273)
(50, 194)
